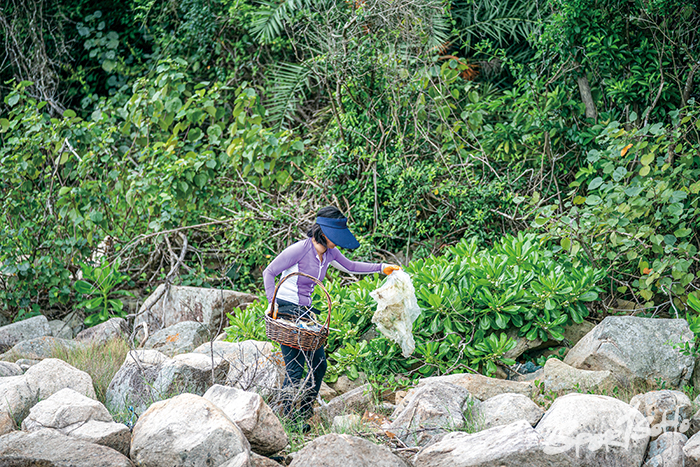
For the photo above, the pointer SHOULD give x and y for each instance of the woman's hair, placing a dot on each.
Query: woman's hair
(315, 231)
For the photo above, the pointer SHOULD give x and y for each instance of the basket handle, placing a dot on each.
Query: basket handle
(316, 281)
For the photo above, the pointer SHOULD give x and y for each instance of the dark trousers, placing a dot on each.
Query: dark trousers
(307, 388)
(297, 386)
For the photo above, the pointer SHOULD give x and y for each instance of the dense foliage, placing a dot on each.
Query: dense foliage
(189, 141)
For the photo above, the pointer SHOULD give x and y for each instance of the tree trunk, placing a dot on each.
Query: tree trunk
(585, 89)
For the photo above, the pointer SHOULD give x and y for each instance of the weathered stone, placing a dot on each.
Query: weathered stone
(344, 450)
(253, 365)
(147, 376)
(691, 451)
(73, 414)
(26, 363)
(346, 423)
(49, 448)
(30, 328)
(666, 450)
(186, 430)
(560, 377)
(482, 387)
(345, 384)
(326, 392)
(262, 461)
(434, 408)
(253, 416)
(516, 445)
(65, 409)
(180, 303)
(10, 369)
(505, 409)
(522, 344)
(51, 375)
(16, 397)
(665, 410)
(594, 430)
(60, 329)
(7, 424)
(357, 400)
(179, 338)
(38, 348)
(113, 328)
(636, 350)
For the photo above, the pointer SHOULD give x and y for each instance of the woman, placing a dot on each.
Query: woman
(312, 256)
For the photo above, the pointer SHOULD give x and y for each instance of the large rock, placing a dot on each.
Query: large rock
(7, 423)
(147, 376)
(38, 348)
(15, 333)
(667, 450)
(665, 410)
(347, 451)
(357, 400)
(637, 350)
(483, 387)
(691, 451)
(253, 416)
(113, 328)
(10, 369)
(560, 377)
(179, 338)
(49, 448)
(345, 384)
(435, 408)
(253, 365)
(186, 430)
(180, 303)
(75, 415)
(516, 445)
(60, 329)
(16, 397)
(505, 409)
(591, 430)
(51, 375)
(262, 461)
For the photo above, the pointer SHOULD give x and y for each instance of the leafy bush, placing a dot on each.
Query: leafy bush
(469, 298)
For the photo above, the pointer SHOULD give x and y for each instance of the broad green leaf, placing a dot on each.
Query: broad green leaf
(589, 296)
(68, 113)
(647, 158)
(595, 183)
(83, 287)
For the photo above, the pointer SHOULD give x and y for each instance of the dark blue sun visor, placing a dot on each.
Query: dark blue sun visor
(337, 232)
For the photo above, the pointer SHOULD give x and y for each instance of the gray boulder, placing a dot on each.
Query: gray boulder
(691, 451)
(637, 350)
(594, 430)
(667, 450)
(347, 451)
(147, 376)
(186, 430)
(10, 369)
(7, 423)
(516, 444)
(12, 334)
(73, 414)
(434, 408)
(113, 328)
(38, 348)
(505, 409)
(253, 416)
(16, 397)
(180, 303)
(51, 375)
(60, 329)
(49, 448)
(357, 400)
(665, 410)
(179, 338)
(483, 387)
(253, 365)
(560, 377)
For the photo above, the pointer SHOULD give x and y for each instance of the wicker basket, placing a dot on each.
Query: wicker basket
(294, 336)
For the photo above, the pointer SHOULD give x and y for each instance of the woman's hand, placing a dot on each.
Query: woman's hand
(389, 268)
(272, 311)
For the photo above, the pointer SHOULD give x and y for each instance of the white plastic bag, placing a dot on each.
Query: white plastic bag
(397, 309)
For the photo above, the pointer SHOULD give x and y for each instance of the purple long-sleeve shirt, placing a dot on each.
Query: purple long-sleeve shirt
(302, 257)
